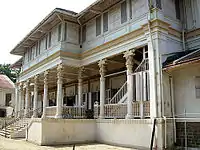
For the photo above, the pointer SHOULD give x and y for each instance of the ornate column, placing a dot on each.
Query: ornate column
(35, 115)
(27, 98)
(129, 65)
(16, 99)
(80, 86)
(21, 99)
(59, 91)
(102, 71)
(45, 95)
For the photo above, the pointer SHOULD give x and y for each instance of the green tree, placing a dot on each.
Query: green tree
(10, 72)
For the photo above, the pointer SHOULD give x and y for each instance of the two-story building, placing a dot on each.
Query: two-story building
(107, 60)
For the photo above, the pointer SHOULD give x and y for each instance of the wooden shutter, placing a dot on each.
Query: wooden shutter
(84, 33)
(98, 26)
(105, 22)
(158, 4)
(123, 12)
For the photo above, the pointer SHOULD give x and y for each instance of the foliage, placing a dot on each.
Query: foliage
(9, 72)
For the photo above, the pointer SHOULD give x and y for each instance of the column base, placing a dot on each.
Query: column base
(129, 116)
(57, 116)
(101, 117)
(43, 116)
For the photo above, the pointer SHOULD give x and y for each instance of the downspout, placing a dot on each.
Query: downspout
(183, 26)
(173, 105)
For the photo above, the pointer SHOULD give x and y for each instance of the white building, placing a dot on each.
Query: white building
(7, 96)
(108, 59)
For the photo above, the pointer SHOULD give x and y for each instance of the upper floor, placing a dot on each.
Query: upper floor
(99, 24)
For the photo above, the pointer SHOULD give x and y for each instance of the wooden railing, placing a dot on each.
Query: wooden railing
(120, 110)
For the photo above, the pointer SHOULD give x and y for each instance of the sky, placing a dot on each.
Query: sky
(19, 17)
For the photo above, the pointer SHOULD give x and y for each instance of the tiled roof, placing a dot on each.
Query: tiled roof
(5, 82)
(182, 58)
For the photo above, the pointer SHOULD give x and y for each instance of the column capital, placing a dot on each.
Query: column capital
(102, 67)
(36, 80)
(46, 76)
(60, 69)
(27, 84)
(80, 72)
(128, 55)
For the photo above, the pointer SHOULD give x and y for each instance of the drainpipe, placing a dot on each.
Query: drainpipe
(173, 105)
(184, 26)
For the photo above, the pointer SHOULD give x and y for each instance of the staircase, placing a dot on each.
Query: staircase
(120, 96)
(16, 129)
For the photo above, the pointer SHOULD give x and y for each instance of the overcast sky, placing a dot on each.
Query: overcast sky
(19, 17)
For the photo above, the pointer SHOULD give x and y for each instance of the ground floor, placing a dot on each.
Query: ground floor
(22, 144)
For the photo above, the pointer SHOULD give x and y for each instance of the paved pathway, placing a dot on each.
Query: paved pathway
(10, 144)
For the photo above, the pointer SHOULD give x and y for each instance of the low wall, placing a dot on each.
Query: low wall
(129, 133)
(59, 131)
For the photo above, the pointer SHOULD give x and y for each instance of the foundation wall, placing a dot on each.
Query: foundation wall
(127, 133)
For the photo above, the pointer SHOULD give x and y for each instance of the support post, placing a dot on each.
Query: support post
(59, 91)
(27, 98)
(80, 86)
(152, 78)
(129, 65)
(35, 115)
(16, 99)
(102, 71)
(45, 95)
(21, 99)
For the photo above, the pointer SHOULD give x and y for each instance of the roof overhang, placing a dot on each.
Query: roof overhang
(56, 16)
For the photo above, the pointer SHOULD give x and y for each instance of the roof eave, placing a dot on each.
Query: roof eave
(15, 49)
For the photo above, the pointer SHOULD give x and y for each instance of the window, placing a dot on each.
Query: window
(84, 33)
(65, 32)
(123, 12)
(105, 22)
(46, 42)
(39, 45)
(49, 40)
(59, 32)
(8, 99)
(158, 4)
(197, 86)
(98, 26)
(131, 9)
(177, 7)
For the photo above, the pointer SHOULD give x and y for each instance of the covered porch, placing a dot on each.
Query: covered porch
(114, 87)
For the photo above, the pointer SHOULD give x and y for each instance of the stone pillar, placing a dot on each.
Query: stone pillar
(152, 80)
(80, 87)
(129, 65)
(35, 100)
(45, 95)
(16, 99)
(59, 91)
(21, 100)
(27, 98)
(102, 71)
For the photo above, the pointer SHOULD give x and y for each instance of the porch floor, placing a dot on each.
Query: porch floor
(21, 144)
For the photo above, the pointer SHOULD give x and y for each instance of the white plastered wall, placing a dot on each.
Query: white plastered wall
(184, 91)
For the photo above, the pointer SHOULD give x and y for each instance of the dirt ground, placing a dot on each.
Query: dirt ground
(21, 144)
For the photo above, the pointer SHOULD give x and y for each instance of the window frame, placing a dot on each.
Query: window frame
(98, 25)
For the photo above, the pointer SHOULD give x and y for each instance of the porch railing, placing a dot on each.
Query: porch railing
(72, 112)
(140, 110)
